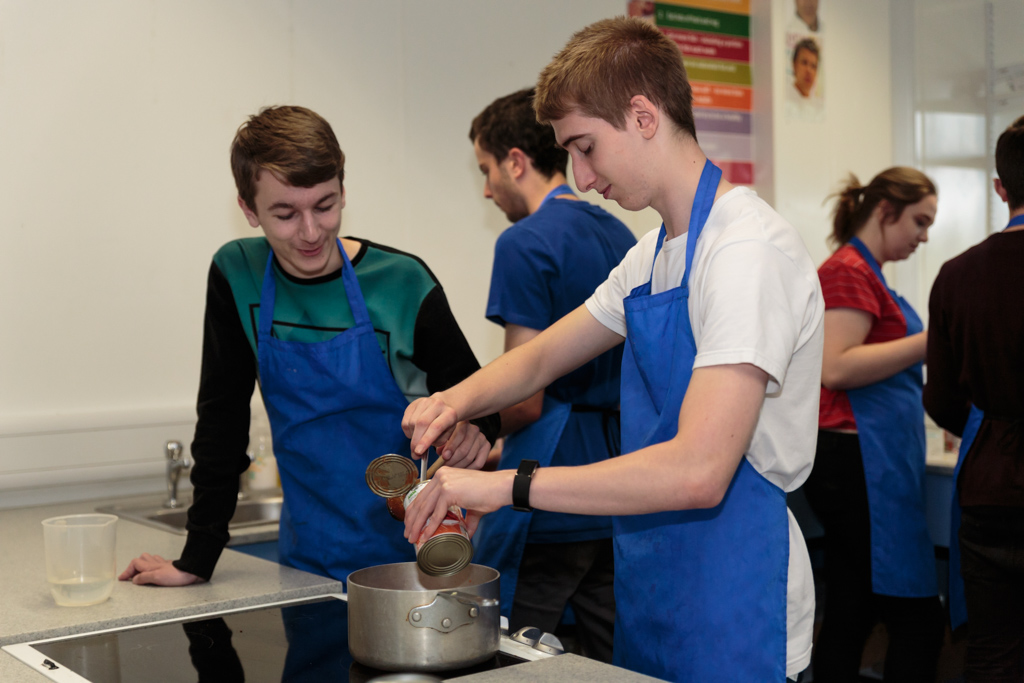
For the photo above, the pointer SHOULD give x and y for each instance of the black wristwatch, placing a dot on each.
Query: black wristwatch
(521, 485)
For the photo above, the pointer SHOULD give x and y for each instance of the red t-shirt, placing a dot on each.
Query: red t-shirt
(847, 281)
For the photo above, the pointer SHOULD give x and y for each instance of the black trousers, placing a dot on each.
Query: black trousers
(837, 492)
(992, 565)
(581, 574)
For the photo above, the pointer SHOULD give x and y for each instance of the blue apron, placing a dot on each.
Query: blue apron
(957, 605)
(890, 427)
(704, 590)
(333, 406)
(501, 536)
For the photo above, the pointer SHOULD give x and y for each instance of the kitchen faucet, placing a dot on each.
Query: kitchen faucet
(177, 463)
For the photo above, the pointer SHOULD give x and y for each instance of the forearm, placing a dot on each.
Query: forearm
(227, 378)
(866, 364)
(690, 471)
(664, 476)
(522, 414)
(526, 370)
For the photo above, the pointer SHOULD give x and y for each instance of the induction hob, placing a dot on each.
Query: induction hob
(294, 642)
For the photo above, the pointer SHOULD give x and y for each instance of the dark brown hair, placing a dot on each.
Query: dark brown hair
(608, 63)
(899, 187)
(510, 122)
(1010, 163)
(294, 143)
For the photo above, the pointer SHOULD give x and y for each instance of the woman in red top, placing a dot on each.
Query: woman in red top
(867, 486)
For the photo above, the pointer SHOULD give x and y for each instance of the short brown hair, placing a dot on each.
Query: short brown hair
(509, 122)
(608, 63)
(1010, 163)
(900, 186)
(294, 143)
(806, 44)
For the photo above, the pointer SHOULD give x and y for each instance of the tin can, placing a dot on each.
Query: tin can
(391, 476)
(448, 550)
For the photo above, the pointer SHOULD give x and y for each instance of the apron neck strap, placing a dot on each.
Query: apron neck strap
(912, 318)
(558, 191)
(859, 245)
(699, 212)
(701, 209)
(268, 295)
(1014, 222)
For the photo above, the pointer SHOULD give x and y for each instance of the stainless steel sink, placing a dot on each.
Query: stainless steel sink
(254, 510)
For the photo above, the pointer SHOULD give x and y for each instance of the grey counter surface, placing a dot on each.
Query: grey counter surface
(27, 610)
(567, 667)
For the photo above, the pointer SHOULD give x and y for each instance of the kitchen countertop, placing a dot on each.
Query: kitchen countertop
(940, 463)
(27, 610)
(567, 667)
(29, 613)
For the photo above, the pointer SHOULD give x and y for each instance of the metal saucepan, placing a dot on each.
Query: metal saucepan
(400, 619)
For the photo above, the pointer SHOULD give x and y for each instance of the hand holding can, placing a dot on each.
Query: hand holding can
(448, 550)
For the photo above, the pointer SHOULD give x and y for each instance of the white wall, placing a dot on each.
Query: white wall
(115, 190)
(812, 158)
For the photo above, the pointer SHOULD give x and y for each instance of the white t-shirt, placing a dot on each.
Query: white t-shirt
(754, 298)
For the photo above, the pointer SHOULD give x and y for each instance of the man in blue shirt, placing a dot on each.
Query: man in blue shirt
(546, 265)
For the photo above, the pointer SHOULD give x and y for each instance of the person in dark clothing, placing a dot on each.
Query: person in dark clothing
(976, 389)
(340, 334)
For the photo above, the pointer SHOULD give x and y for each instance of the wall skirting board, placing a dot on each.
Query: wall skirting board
(64, 457)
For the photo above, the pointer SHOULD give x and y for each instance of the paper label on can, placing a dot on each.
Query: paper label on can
(453, 523)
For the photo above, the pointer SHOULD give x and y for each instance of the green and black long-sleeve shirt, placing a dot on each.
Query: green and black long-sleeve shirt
(418, 335)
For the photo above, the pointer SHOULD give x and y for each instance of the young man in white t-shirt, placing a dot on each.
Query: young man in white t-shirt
(721, 377)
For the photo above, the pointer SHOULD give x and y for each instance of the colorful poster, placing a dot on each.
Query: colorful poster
(714, 38)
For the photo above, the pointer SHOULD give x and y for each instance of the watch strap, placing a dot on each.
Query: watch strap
(521, 485)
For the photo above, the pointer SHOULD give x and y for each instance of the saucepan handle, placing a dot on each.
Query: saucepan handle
(449, 610)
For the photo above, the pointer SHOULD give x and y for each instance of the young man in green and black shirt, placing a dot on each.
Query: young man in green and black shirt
(335, 386)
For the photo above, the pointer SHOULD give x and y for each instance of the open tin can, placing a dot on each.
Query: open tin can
(392, 476)
(449, 550)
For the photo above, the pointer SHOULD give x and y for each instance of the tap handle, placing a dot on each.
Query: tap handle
(173, 450)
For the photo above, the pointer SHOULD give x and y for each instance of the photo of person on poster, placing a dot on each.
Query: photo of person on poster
(806, 56)
(805, 92)
(807, 12)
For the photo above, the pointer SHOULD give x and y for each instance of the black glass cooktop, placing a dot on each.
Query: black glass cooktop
(294, 643)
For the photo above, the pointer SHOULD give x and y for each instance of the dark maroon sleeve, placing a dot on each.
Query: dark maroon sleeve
(946, 401)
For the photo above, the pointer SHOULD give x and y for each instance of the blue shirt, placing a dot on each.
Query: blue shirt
(545, 266)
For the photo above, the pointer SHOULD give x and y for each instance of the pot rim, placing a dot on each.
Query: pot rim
(409, 573)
